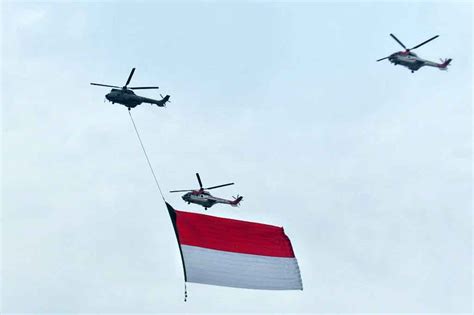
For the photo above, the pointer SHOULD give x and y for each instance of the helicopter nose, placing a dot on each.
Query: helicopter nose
(107, 96)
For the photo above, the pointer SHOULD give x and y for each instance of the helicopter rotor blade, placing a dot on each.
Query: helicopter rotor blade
(173, 191)
(130, 76)
(98, 84)
(383, 58)
(426, 41)
(143, 87)
(398, 41)
(199, 180)
(219, 186)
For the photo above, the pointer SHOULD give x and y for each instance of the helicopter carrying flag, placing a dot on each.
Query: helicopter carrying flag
(128, 98)
(203, 198)
(234, 253)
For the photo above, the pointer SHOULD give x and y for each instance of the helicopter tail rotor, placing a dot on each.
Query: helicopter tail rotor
(165, 99)
(444, 64)
(236, 201)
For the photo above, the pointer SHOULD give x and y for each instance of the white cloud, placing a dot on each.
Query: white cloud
(28, 18)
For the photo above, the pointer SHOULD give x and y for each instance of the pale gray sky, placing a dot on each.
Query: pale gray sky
(366, 165)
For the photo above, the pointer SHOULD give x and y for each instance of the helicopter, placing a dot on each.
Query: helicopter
(204, 198)
(411, 60)
(128, 98)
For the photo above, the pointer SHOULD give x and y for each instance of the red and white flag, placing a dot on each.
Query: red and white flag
(234, 253)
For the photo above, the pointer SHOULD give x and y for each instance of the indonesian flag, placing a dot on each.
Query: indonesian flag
(233, 253)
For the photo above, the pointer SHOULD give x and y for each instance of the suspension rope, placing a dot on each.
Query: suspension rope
(159, 188)
(146, 155)
(185, 292)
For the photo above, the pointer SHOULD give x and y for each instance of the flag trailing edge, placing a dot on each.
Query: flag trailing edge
(234, 253)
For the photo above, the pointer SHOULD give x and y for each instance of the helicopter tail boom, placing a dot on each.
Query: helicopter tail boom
(160, 103)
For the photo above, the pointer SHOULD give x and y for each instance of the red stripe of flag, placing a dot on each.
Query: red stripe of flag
(232, 235)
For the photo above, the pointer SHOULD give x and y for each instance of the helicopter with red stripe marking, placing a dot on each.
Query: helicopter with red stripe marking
(410, 60)
(204, 198)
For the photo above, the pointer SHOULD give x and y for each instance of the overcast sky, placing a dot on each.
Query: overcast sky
(366, 165)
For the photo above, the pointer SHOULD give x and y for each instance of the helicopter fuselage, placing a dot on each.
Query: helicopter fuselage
(205, 199)
(411, 61)
(129, 99)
